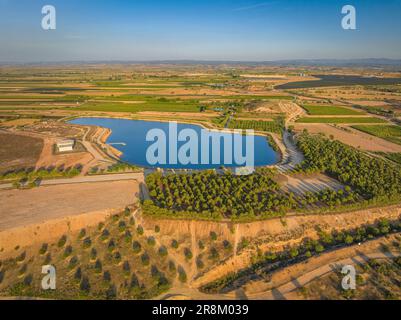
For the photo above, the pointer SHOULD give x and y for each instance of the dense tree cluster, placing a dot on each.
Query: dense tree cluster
(228, 195)
(367, 180)
(214, 196)
(372, 178)
(329, 197)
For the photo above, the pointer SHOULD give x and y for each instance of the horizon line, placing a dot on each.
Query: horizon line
(210, 61)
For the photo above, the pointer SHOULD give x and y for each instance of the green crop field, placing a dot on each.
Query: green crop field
(146, 106)
(341, 120)
(253, 97)
(329, 110)
(269, 126)
(389, 133)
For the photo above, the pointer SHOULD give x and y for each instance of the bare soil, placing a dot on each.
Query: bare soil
(18, 151)
(49, 159)
(24, 207)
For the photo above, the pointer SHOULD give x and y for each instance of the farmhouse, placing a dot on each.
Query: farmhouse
(65, 145)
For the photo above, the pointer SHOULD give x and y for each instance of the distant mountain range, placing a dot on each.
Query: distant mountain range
(370, 62)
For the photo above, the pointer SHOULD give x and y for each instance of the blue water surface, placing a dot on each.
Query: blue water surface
(129, 137)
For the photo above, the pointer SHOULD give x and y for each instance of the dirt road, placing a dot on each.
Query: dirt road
(292, 156)
(88, 179)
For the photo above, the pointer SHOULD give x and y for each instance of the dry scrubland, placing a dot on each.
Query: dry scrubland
(378, 279)
(118, 258)
(320, 277)
(126, 255)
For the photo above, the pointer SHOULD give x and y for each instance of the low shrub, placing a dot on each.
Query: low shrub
(82, 234)
(175, 244)
(67, 251)
(163, 252)
(145, 259)
(62, 241)
(28, 280)
(111, 245)
(98, 266)
(78, 274)
(188, 254)
(105, 235)
(126, 268)
(21, 257)
(136, 246)
(111, 292)
(87, 243)
(73, 262)
(117, 257)
(151, 241)
(93, 254)
(171, 266)
(139, 230)
(213, 236)
(106, 276)
(43, 249)
(182, 276)
(85, 285)
(122, 226)
(127, 236)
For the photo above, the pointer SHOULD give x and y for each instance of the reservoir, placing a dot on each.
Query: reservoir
(129, 137)
(339, 80)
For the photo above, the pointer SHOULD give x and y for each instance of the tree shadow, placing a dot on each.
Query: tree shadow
(240, 294)
(277, 295)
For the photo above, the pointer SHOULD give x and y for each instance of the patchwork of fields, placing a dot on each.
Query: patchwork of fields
(338, 160)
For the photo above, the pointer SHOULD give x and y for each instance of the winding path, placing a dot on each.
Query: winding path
(291, 156)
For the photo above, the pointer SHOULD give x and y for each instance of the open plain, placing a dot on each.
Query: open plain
(116, 229)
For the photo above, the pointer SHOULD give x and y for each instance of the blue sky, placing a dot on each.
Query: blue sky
(249, 30)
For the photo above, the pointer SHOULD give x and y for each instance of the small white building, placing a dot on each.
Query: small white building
(65, 145)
